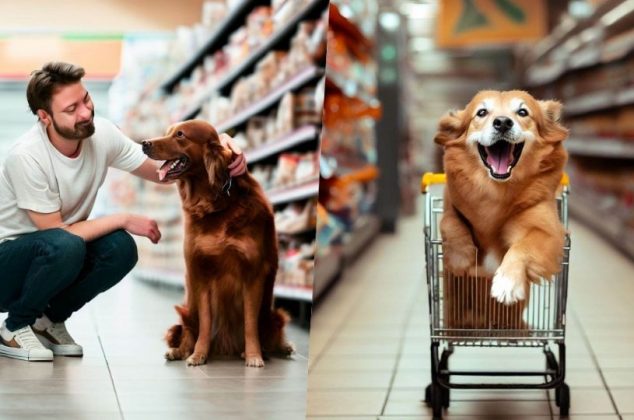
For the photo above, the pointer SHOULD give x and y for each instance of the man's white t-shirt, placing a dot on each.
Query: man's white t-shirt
(36, 176)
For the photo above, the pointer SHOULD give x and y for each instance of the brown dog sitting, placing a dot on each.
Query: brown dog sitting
(231, 254)
(504, 162)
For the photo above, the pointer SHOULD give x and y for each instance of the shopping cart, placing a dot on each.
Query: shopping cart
(462, 314)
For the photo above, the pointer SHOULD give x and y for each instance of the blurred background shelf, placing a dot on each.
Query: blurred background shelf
(234, 20)
(304, 77)
(603, 147)
(175, 278)
(301, 135)
(298, 192)
(311, 11)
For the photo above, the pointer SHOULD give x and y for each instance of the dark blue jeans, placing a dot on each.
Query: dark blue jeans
(54, 272)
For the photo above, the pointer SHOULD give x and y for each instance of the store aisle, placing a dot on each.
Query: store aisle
(369, 344)
(123, 374)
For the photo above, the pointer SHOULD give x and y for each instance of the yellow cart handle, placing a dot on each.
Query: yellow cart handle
(430, 178)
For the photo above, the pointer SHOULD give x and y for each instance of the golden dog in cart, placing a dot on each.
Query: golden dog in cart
(504, 160)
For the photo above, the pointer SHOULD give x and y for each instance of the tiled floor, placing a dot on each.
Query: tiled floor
(123, 374)
(369, 342)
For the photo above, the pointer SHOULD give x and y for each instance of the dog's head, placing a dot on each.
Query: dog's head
(189, 148)
(502, 129)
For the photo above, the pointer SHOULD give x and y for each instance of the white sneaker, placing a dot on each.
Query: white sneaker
(54, 336)
(23, 344)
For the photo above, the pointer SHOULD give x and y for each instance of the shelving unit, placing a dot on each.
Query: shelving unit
(234, 19)
(587, 65)
(311, 10)
(605, 148)
(308, 75)
(353, 170)
(294, 193)
(300, 138)
(223, 86)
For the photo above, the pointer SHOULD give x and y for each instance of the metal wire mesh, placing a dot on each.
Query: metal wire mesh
(462, 311)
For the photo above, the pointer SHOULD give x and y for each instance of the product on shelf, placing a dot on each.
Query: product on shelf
(296, 217)
(291, 169)
(297, 264)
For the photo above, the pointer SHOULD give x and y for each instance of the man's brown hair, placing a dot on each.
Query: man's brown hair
(44, 83)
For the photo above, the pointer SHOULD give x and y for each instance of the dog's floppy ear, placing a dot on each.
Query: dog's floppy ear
(215, 159)
(450, 127)
(553, 131)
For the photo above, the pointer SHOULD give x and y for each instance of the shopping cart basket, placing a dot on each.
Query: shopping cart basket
(462, 314)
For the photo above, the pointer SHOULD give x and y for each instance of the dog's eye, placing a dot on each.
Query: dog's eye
(482, 112)
(522, 112)
(180, 134)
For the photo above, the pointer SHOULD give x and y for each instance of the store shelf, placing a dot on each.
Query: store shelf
(234, 20)
(363, 174)
(304, 77)
(349, 87)
(298, 192)
(598, 101)
(301, 135)
(364, 231)
(176, 278)
(301, 293)
(361, 45)
(610, 148)
(280, 37)
(328, 267)
(583, 206)
(589, 32)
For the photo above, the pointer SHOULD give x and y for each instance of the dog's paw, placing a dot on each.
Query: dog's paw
(196, 359)
(173, 354)
(254, 361)
(508, 288)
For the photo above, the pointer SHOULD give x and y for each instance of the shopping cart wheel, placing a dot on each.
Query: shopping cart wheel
(445, 397)
(562, 399)
(434, 399)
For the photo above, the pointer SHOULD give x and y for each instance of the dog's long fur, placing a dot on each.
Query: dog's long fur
(508, 228)
(231, 254)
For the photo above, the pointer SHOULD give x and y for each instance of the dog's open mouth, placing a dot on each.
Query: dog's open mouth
(501, 157)
(173, 168)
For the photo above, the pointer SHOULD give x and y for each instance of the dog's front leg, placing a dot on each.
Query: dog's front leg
(458, 247)
(201, 349)
(252, 298)
(535, 252)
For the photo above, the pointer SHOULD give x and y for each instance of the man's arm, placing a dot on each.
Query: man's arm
(90, 230)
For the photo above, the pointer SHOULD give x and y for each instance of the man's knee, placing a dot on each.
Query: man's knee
(122, 250)
(63, 247)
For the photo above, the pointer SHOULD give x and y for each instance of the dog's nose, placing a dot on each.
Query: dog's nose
(502, 124)
(146, 145)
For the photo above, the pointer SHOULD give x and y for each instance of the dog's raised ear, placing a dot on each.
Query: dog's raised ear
(553, 131)
(450, 127)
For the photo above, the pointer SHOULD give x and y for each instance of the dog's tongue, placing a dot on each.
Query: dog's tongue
(164, 169)
(499, 157)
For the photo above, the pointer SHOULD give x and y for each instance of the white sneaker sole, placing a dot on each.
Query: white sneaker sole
(39, 355)
(61, 349)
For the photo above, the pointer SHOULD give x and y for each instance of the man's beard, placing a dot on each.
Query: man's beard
(79, 132)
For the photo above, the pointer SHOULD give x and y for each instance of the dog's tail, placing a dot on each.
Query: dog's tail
(274, 341)
(174, 334)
